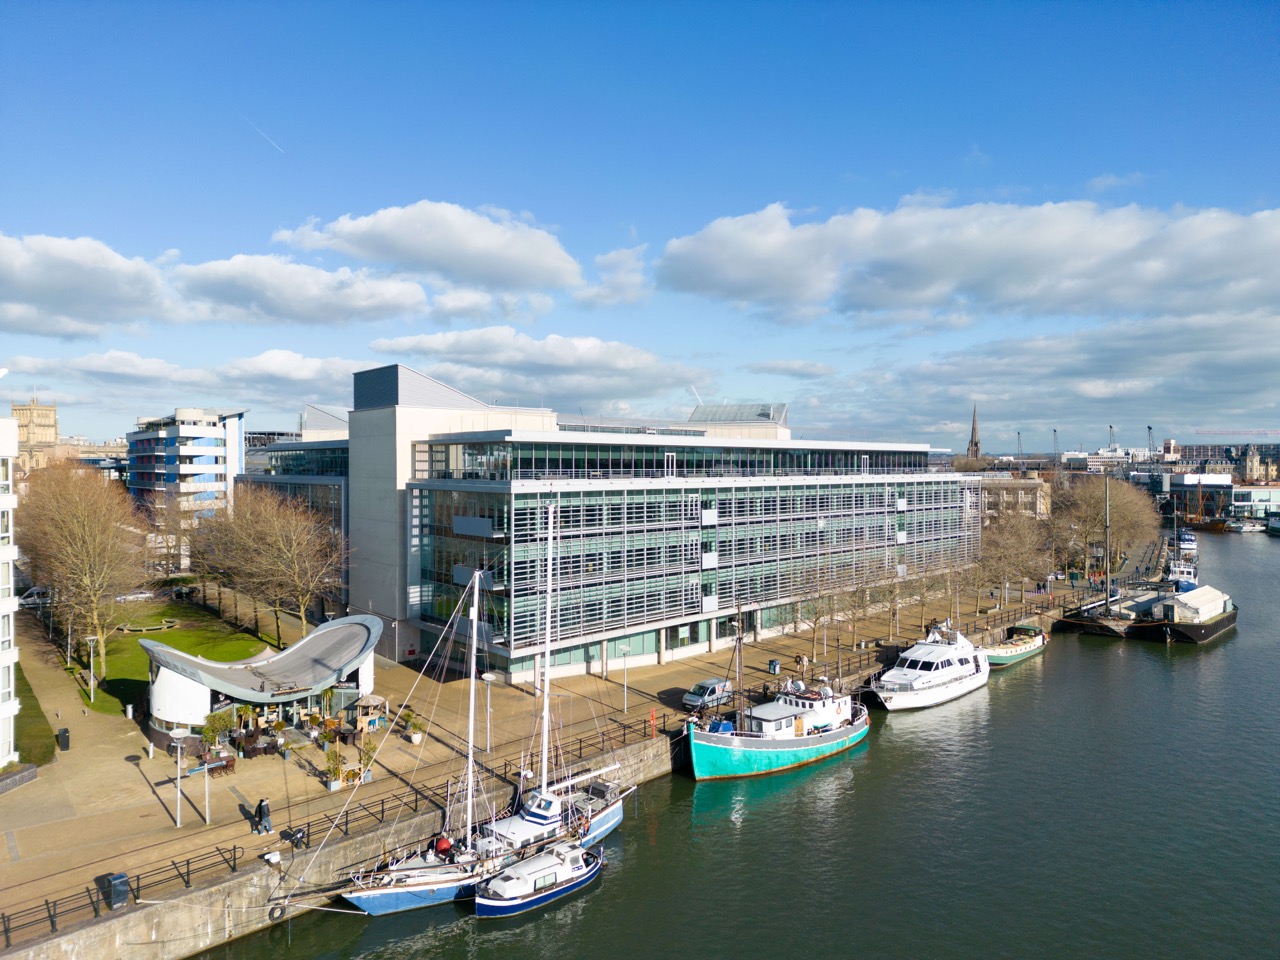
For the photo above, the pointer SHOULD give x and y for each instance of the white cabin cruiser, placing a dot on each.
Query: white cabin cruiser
(941, 667)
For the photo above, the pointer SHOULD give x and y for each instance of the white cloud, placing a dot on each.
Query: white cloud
(115, 387)
(502, 364)
(1055, 259)
(1111, 181)
(622, 279)
(800, 369)
(274, 289)
(67, 287)
(489, 249)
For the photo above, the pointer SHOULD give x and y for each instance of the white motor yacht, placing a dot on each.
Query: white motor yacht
(941, 667)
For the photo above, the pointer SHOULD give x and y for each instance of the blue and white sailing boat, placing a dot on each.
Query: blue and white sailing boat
(442, 871)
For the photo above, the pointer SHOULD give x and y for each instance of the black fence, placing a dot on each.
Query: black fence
(112, 891)
(102, 896)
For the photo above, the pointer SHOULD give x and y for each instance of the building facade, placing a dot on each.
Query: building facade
(665, 538)
(187, 460)
(9, 704)
(37, 435)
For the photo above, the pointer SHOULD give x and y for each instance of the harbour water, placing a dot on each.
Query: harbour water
(1107, 799)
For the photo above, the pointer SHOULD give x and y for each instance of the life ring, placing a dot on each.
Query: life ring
(839, 709)
(275, 913)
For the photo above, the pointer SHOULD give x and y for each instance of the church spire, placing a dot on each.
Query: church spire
(975, 448)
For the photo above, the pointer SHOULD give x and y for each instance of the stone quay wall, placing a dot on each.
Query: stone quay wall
(261, 894)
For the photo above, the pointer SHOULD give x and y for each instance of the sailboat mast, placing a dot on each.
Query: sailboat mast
(1107, 542)
(546, 654)
(471, 711)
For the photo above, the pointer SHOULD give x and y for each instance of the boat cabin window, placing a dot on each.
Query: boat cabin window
(777, 725)
(964, 661)
(546, 880)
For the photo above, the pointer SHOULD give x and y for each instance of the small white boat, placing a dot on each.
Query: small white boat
(538, 880)
(941, 667)
(1183, 575)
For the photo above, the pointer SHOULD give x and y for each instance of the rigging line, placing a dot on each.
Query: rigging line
(449, 631)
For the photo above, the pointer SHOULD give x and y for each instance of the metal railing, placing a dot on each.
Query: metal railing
(91, 902)
(72, 908)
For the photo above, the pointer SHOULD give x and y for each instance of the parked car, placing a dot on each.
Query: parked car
(34, 598)
(707, 693)
(135, 595)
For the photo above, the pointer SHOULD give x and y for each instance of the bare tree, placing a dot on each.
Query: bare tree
(83, 539)
(272, 549)
(1014, 549)
(1082, 516)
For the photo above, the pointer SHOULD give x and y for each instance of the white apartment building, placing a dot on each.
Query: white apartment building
(8, 590)
(189, 458)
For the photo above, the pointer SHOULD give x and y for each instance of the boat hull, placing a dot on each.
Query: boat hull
(999, 660)
(932, 696)
(492, 907)
(1094, 626)
(378, 902)
(605, 822)
(723, 756)
(1164, 631)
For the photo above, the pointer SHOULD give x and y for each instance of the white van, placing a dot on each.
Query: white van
(707, 693)
(33, 598)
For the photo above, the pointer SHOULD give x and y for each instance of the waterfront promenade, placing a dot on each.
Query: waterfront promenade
(106, 806)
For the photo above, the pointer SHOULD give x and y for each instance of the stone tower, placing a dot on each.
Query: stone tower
(975, 448)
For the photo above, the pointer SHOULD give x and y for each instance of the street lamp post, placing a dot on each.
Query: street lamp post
(93, 642)
(179, 735)
(488, 678)
(625, 652)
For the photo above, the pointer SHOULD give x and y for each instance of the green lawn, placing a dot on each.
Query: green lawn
(31, 731)
(198, 632)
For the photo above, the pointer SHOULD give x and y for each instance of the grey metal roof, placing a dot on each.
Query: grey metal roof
(397, 385)
(313, 664)
(320, 417)
(739, 413)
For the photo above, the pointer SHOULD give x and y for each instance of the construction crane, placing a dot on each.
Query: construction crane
(1022, 463)
(1152, 456)
(1057, 454)
(1111, 445)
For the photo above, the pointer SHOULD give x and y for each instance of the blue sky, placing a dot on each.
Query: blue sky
(883, 214)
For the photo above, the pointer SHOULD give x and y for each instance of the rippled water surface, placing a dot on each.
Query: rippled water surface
(1107, 799)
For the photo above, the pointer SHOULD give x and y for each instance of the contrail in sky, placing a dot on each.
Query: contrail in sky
(261, 134)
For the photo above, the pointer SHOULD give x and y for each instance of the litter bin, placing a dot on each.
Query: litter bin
(117, 890)
(64, 738)
(775, 666)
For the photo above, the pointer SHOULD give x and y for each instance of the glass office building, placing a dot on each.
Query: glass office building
(663, 539)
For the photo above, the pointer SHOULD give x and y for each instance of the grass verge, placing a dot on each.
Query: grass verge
(129, 668)
(31, 731)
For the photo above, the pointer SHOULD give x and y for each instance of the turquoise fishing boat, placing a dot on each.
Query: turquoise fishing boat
(1021, 642)
(797, 727)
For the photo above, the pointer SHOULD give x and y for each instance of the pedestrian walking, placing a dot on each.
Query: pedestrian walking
(262, 815)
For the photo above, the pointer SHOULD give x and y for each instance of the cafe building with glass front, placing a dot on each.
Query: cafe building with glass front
(325, 672)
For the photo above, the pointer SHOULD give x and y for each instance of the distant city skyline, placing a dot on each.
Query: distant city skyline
(880, 214)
